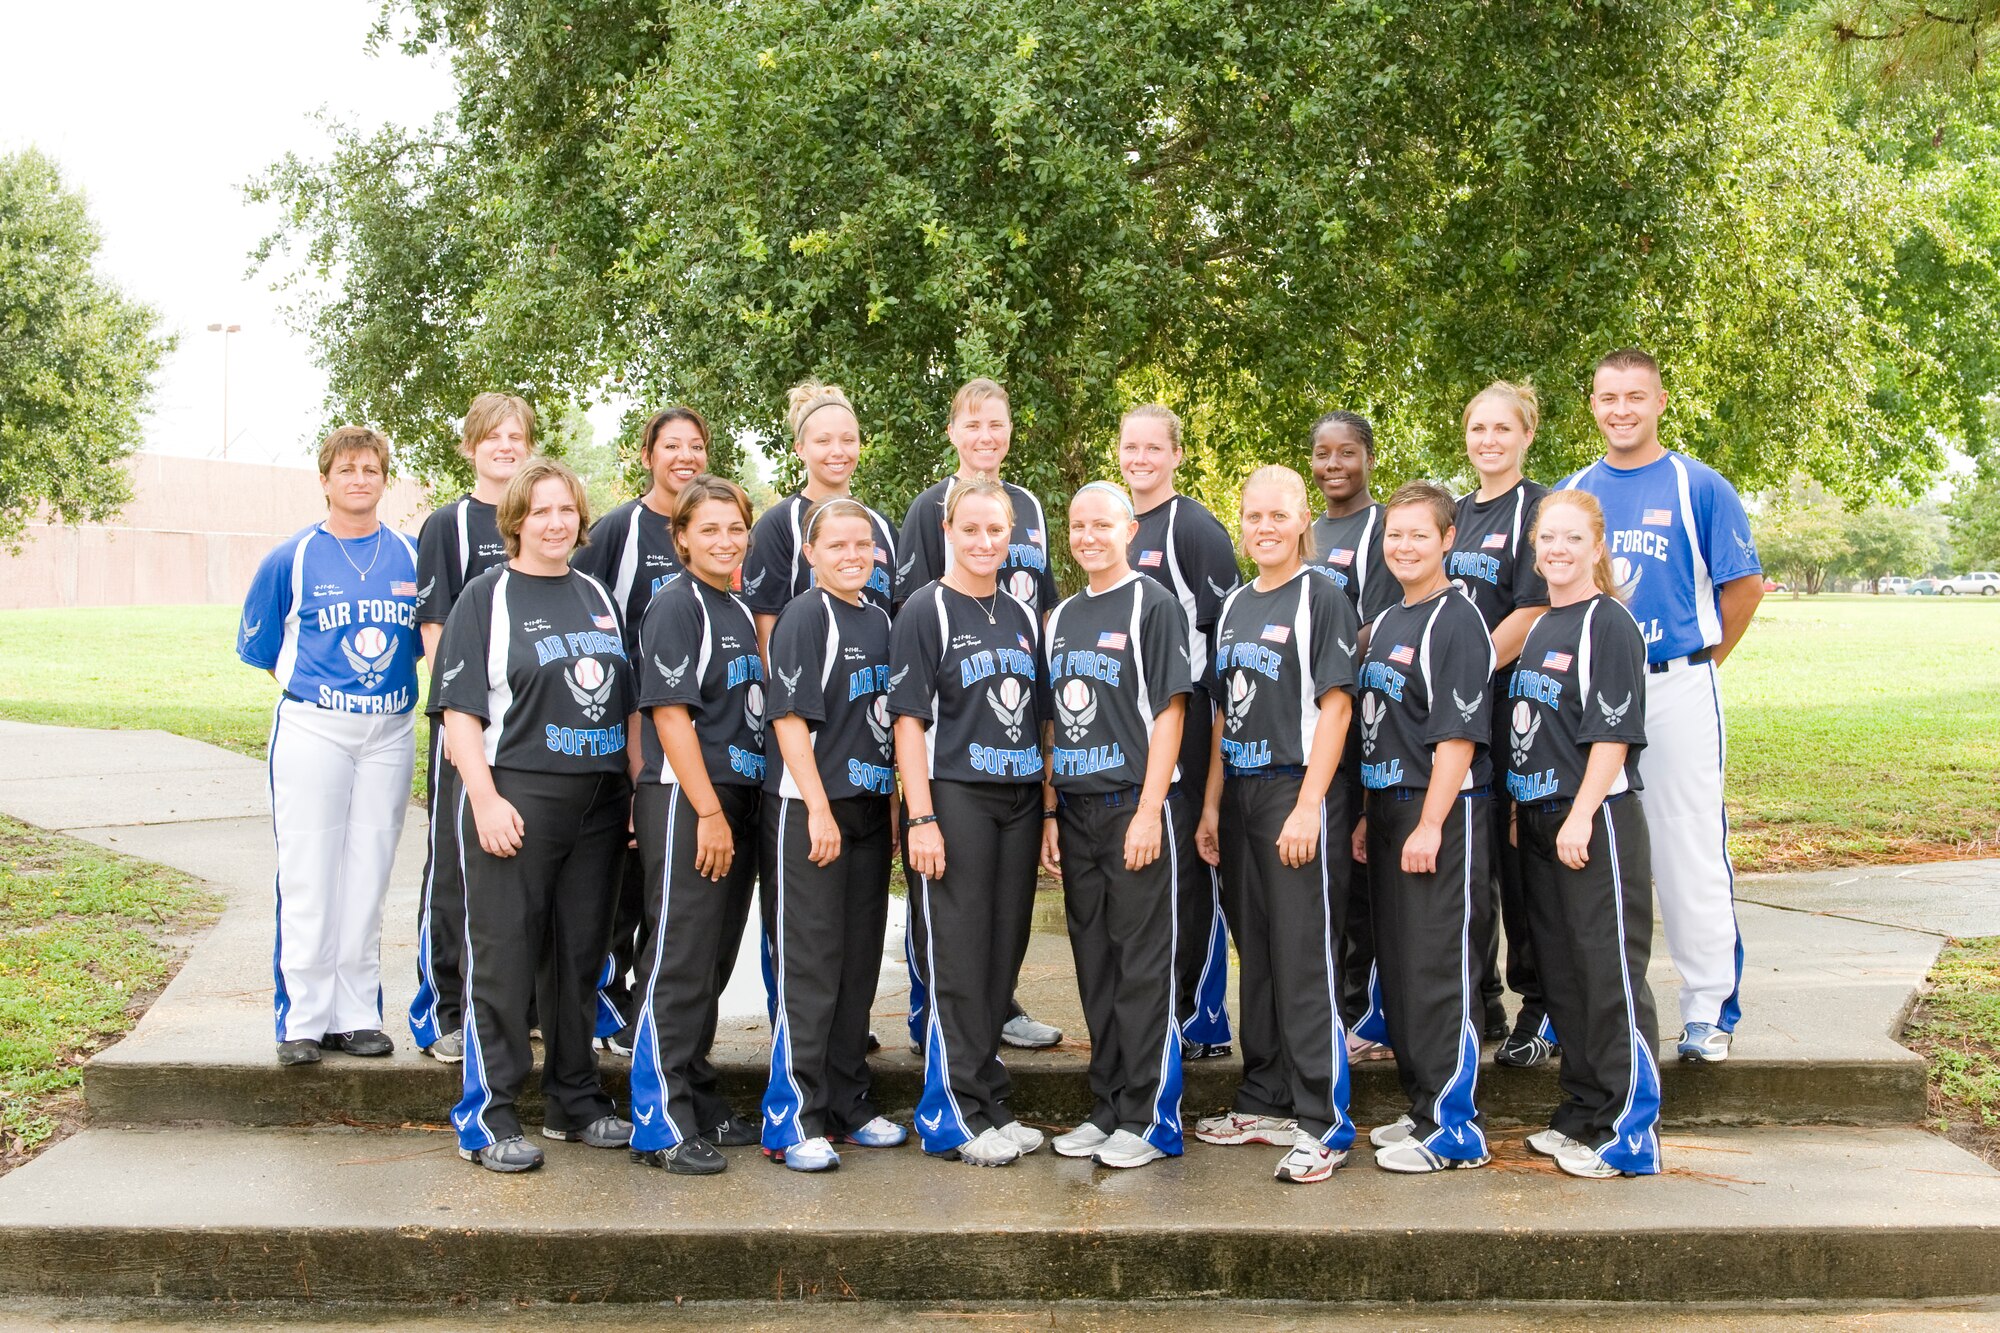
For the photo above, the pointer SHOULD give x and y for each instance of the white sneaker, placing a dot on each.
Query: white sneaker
(1082, 1141)
(1231, 1127)
(991, 1148)
(1384, 1135)
(1555, 1143)
(1126, 1149)
(811, 1155)
(1028, 1034)
(1588, 1165)
(1410, 1158)
(1360, 1050)
(1309, 1161)
(1025, 1137)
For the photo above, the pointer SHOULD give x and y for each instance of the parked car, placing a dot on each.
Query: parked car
(1922, 588)
(1893, 584)
(1775, 585)
(1982, 581)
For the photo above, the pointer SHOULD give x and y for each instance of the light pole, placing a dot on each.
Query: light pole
(225, 331)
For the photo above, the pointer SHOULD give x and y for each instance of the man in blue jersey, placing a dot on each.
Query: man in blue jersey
(1687, 569)
(332, 615)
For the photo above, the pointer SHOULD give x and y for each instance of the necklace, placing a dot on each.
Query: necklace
(990, 608)
(374, 554)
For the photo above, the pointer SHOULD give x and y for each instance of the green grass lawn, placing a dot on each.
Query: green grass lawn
(85, 942)
(1861, 728)
(1956, 1026)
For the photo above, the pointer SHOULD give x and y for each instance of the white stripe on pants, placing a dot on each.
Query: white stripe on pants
(340, 786)
(1681, 769)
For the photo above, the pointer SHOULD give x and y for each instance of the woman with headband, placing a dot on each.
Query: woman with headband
(826, 843)
(966, 687)
(827, 438)
(1117, 671)
(1271, 821)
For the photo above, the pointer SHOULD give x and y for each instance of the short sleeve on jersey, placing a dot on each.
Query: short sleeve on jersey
(1163, 638)
(767, 570)
(1335, 629)
(463, 683)
(261, 632)
(438, 563)
(1207, 560)
(915, 650)
(1461, 675)
(1724, 529)
(1614, 706)
(798, 662)
(920, 550)
(668, 673)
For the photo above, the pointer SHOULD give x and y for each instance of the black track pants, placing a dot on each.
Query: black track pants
(694, 926)
(969, 932)
(1121, 931)
(1504, 857)
(1354, 922)
(438, 1008)
(628, 933)
(1289, 1030)
(1594, 928)
(1201, 949)
(825, 924)
(1423, 942)
(538, 920)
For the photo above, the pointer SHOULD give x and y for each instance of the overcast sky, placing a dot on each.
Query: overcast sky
(160, 113)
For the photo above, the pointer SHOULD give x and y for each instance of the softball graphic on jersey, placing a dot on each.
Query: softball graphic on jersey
(1078, 706)
(368, 653)
(1373, 710)
(1242, 690)
(878, 721)
(753, 707)
(1009, 701)
(1521, 735)
(1022, 585)
(590, 685)
(1626, 575)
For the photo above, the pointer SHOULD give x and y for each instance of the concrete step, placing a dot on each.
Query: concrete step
(229, 1214)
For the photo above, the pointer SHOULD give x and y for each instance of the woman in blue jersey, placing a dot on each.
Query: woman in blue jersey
(1576, 721)
(538, 699)
(701, 691)
(827, 438)
(331, 614)
(966, 688)
(827, 843)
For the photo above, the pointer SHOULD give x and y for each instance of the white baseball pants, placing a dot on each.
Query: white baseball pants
(1693, 883)
(340, 786)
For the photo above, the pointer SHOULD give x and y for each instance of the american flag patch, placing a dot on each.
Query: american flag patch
(1277, 633)
(1151, 559)
(1111, 639)
(605, 622)
(1556, 662)
(1494, 541)
(1035, 536)
(1340, 556)
(881, 556)
(1022, 639)
(1658, 518)
(403, 589)
(1402, 654)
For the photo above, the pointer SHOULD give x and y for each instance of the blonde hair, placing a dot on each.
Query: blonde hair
(1293, 487)
(699, 492)
(976, 391)
(1155, 412)
(1586, 504)
(821, 510)
(1426, 495)
(1521, 397)
(520, 498)
(488, 410)
(353, 440)
(808, 398)
(992, 490)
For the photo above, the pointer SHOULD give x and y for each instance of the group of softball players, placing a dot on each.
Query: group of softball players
(1419, 721)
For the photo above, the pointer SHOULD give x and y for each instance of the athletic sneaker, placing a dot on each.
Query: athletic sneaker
(1309, 1161)
(1082, 1141)
(1234, 1127)
(810, 1155)
(1410, 1158)
(736, 1132)
(362, 1041)
(1555, 1143)
(507, 1156)
(1525, 1050)
(1360, 1050)
(448, 1049)
(991, 1148)
(1025, 1137)
(1704, 1044)
(690, 1157)
(881, 1132)
(618, 1043)
(874, 1042)
(298, 1051)
(1587, 1164)
(1495, 1027)
(1124, 1150)
(607, 1131)
(1204, 1050)
(1395, 1132)
(1025, 1032)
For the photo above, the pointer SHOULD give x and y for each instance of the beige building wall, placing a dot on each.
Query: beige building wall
(193, 532)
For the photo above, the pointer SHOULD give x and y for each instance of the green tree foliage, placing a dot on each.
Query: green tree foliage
(1974, 516)
(1253, 209)
(1888, 539)
(1911, 44)
(76, 356)
(1803, 544)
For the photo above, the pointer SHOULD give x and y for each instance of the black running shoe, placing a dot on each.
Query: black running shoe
(1525, 1050)
(304, 1051)
(694, 1157)
(736, 1132)
(366, 1041)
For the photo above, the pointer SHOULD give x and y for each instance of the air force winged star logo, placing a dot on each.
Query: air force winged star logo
(1345, 646)
(250, 630)
(452, 674)
(368, 653)
(1077, 707)
(424, 593)
(1216, 588)
(896, 680)
(1009, 701)
(672, 675)
(750, 585)
(903, 570)
(932, 1121)
(790, 679)
(1373, 710)
(1465, 709)
(590, 685)
(1613, 716)
(1521, 735)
